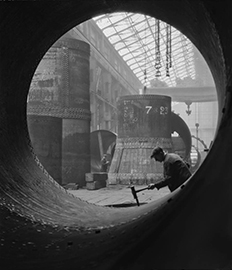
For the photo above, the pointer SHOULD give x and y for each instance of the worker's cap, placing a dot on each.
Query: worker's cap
(156, 151)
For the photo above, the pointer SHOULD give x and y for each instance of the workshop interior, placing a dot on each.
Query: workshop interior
(53, 71)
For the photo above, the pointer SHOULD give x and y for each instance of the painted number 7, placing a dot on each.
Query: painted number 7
(148, 109)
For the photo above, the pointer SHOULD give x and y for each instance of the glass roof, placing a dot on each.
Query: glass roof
(135, 37)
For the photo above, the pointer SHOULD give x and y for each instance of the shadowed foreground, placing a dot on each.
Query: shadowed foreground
(44, 227)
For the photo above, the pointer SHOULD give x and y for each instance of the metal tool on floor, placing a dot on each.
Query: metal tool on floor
(134, 192)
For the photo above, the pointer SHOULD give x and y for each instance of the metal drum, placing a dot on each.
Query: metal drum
(60, 88)
(76, 126)
(183, 143)
(143, 123)
(46, 137)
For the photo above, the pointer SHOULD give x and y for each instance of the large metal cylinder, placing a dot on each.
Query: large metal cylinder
(76, 128)
(46, 136)
(60, 88)
(143, 123)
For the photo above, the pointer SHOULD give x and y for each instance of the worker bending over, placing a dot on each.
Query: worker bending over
(176, 170)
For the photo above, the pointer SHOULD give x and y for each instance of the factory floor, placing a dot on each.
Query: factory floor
(119, 195)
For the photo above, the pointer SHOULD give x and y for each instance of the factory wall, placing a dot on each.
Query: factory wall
(110, 77)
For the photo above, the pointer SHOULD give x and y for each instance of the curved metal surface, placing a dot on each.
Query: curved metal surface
(42, 226)
(198, 162)
(100, 141)
(179, 125)
(144, 116)
(201, 141)
(143, 121)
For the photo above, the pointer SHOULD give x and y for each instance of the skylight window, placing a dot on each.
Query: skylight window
(134, 36)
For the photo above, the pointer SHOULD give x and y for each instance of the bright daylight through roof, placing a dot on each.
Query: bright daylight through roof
(139, 39)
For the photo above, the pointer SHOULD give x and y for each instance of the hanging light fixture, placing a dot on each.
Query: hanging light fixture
(188, 111)
(145, 81)
(145, 50)
(168, 49)
(157, 48)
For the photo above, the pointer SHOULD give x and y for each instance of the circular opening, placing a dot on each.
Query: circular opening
(38, 217)
(74, 91)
